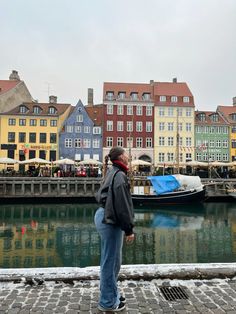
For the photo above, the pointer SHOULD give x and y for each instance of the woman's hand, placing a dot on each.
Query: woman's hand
(130, 238)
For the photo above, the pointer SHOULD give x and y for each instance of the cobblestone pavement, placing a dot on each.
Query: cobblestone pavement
(204, 296)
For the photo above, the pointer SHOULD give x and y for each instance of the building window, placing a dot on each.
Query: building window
(120, 141)
(120, 110)
(33, 122)
(53, 122)
(96, 143)
(161, 141)
(188, 127)
(78, 128)
(170, 156)
(215, 117)
(139, 126)
(87, 129)
(139, 110)
(109, 141)
(129, 126)
(79, 118)
(180, 126)
(121, 95)
(69, 128)
(149, 110)
(37, 110)
(23, 109)
(170, 141)
(179, 112)
(188, 112)
(109, 109)
(77, 142)
(188, 141)
(174, 98)
(161, 126)
(22, 122)
(225, 143)
(129, 110)
(198, 156)
(52, 110)
(32, 137)
(129, 142)
(212, 143)
(109, 125)
(146, 96)
(86, 143)
(185, 99)
(139, 142)
(218, 156)
(188, 156)
(32, 154)
(11, 137)
(11, 121)
(109, 95)
(161, 157)
(170, 111)
(148, 126)
(68, 142)
(42, 137)
(180, 141)
(162, 98)
(170, 126)
(43, 122)
(225, 157)
(120, 126)
(161, 111)
(53, 137)
(96, 130)
(218, 143)
(148, 142)
(22, 137)
(134, 96)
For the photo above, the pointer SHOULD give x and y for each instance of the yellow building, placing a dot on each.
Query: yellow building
(174, 119)
(31, 130)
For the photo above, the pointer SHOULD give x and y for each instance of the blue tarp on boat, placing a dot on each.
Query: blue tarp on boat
(164, 184)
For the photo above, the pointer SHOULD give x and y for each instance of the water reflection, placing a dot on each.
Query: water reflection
(64, 235)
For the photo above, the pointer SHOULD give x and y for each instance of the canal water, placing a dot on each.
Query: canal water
(64, 235)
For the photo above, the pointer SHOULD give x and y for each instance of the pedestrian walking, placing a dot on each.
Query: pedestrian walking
(113, 219)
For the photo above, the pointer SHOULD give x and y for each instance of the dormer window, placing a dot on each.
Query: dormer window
(202, 117)
(233, 116)
(37, 110)
(110, 95)
(146, 96)
(174, 98)
(121, 95)
(185, 99)
(215, 117)
(134, 96)
(23, 109)
(162, 98)
(52, 110)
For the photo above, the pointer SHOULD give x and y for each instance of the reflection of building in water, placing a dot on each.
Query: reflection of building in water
(28, 245)
(173, 245)
(78, 244)
(214, 242)
(142, 250)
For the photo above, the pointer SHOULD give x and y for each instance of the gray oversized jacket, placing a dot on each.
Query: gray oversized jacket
(114, 195)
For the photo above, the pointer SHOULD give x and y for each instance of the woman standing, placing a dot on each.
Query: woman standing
(113, 218)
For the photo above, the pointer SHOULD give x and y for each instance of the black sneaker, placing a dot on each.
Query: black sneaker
(119, 308)
(122, 299)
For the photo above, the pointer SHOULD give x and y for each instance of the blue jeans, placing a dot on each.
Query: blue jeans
(111, 255)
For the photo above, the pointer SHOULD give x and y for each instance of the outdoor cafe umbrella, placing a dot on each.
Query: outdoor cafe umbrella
(139, 162)
(196, 163)
(6, 160)
(64, 161)
(90, 162)
(35, 161)
(218, 163)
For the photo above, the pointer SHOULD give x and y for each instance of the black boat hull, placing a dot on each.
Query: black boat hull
(182, 197)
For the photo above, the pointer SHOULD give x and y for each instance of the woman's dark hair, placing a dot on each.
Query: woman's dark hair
(115, 152)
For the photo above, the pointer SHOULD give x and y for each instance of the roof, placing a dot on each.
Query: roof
(171, 89)
(6, 85)
(227, 112)
(128, 88)
(61, 108)
(95, 113)
(208, 120)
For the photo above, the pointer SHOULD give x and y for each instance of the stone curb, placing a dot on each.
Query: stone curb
(128, 272)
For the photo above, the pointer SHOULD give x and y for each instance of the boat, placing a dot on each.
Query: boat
(170, 189)
(231, 192)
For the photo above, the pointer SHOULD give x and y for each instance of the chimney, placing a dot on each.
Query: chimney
(90, 97)
(14, 76)
(151, 82)
(234, 101)
(52, 99)
(175, 80)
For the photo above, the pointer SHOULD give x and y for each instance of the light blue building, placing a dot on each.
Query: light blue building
(81, 135)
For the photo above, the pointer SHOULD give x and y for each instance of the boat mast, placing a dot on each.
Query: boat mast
(177, 141)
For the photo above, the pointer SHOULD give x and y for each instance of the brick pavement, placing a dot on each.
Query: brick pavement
(144, 297)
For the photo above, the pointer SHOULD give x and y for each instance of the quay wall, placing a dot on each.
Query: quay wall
(74, 187)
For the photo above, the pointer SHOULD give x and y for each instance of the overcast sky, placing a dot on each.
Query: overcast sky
(67, 46)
